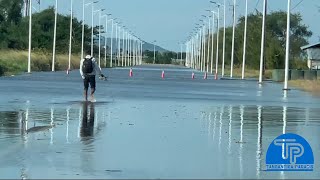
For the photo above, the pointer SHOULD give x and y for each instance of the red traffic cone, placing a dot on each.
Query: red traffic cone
(192, 75)
(162, 75)
(130, 73)
(205, 76)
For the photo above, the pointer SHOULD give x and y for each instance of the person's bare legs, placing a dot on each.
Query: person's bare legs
(85, 94)
(92, 93)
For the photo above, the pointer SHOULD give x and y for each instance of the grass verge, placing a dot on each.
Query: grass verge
(15, 62)
(307, 85)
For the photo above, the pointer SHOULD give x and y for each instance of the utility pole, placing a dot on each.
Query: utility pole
(154, 52)
(30, 35)
(70, 35)
(245, 41)
(111, 44)
(54, 36)
(264, 46)
(233, 36)
(262, 41)
(224, 38)
(287, 48)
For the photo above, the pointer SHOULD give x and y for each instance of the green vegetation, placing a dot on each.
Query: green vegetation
(161, 58)
(14, 62)
(14, 29)
(14, 39)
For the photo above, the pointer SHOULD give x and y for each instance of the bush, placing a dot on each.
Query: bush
(299, 64)
(2, 70)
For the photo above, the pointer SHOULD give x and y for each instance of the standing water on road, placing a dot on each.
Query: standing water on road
(148, 127)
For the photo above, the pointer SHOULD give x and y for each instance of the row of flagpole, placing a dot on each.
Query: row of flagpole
(196, 57)
(122, 38)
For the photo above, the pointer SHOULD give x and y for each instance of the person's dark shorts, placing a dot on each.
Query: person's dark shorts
(89, 80)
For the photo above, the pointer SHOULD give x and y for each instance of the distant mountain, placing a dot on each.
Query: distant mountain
(145, 46)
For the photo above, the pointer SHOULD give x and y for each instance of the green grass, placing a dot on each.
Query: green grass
(15, 62)
(237, 72)
(248, 73)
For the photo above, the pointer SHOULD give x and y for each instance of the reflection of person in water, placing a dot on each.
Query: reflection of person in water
(87, 126)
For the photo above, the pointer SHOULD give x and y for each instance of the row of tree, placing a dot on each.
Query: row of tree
(14, 29)
(167, 57)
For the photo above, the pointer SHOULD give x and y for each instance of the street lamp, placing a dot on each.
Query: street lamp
(205, 59)
(212, 49)
(208, 48)
(134, 51)
(119, 37)
(70, 38)
(202, 59)
(92, 24)
(198, 47)
(233, 36)
(130, 48)
(127, 48)
(105, 38)
(262, 40)
(154, 51)
(142, 43)
(224, 32)
(100, 10)
(30, 34)
(111, 44)
(245, 40)
(218, 34)
(181, 57)
(123, 45)
(287, 49)
(83, 20)
(54, 36)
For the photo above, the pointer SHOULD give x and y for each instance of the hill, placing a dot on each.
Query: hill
(146, 45)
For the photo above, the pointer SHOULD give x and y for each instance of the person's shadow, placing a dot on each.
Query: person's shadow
(87, 127)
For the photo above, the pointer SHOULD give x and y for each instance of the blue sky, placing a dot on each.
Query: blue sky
(171, 21)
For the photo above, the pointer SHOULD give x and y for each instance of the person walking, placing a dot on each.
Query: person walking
(88, 71)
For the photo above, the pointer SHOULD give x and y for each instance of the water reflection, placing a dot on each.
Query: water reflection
(87, 126)
(52, 124)
(259, 142)
(241, 140)
(283, 132)
(230, 128)
(250, 129)
(220, 126)
(68, 119)
(214, 125)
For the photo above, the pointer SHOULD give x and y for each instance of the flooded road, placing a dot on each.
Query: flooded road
(148, 127)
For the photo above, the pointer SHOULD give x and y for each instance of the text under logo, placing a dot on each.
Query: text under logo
(289, 152)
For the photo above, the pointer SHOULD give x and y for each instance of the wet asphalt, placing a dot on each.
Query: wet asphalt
(148, 127)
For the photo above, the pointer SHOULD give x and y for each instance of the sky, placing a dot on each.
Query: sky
(169, 22)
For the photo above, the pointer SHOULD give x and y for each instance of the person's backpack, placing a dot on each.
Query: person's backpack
(87, 66)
